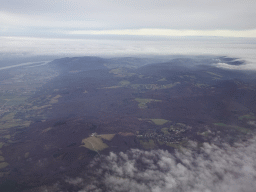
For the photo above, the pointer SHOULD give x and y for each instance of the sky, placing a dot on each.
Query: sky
(128, 27)
(71, 18)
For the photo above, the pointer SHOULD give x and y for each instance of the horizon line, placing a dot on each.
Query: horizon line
(167, 32)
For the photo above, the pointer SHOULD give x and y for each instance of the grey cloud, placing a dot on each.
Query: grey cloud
(176, 14)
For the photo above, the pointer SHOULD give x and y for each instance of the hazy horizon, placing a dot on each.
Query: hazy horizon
(25, 47)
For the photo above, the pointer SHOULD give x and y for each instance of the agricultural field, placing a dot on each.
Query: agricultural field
(95, 143)
(142, 103)
(159, 121)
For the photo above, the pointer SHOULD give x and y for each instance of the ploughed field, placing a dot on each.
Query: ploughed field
(55, 118)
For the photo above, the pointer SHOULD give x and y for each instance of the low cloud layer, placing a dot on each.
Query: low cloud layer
(213, 169)
(11, 47)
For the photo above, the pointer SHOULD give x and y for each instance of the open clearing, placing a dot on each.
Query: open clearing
(8, 121)
(165, 131)
(95, 143)
(3, 165)
(148, 145)
(55, 99)
(159, 121)
(248, 116)
(241, 129)
(143, 102)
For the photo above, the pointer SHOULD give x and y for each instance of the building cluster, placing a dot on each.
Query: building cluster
(174, 135)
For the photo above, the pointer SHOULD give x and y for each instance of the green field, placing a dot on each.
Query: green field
(3, 165)
(153, 86)
(143, 102)
(248, 116)
(159, 121)
(107, 136)
(163, 79)
(124, 83)
(165, 131)
(8, 121)
(205, 134)
(148, 145)
(241, 129)
(214, 74)
(55, 99)
(95, 143)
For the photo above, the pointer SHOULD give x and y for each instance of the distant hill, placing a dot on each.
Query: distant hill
(87, 63)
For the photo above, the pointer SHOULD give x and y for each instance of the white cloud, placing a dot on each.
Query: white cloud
(214, 169)
(168, 32)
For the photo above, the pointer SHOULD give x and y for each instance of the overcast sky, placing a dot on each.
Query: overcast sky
(233, 18)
